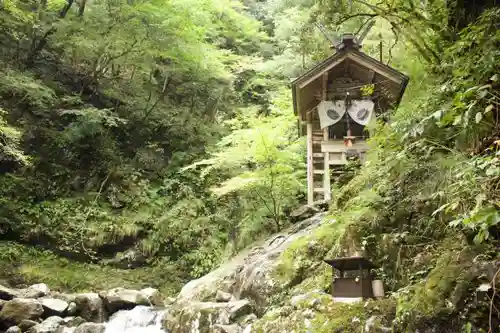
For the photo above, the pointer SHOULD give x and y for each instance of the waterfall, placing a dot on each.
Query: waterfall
(141, 319)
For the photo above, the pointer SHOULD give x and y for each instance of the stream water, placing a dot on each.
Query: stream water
(141, 319)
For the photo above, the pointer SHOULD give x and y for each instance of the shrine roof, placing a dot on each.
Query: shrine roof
(348, 53)
(350, 263)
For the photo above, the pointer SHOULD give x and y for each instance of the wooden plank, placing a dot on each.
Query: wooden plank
(338, 146)
(310, 174)
(326, 159)
(337, 162)
(319, 172)
(377, 68)
(326, 69)
(319, 189)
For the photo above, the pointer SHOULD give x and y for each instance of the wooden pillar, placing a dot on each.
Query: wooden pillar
(327, 195)
(326, 176)
(310, 166)
(361, 281)
(333, 282)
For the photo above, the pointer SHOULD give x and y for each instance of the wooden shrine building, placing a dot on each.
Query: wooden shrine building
(334, 101)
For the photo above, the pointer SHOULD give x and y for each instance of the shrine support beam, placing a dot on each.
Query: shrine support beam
(327, 195)
(310, 166)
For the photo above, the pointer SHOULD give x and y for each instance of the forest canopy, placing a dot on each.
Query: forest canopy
(156, 139)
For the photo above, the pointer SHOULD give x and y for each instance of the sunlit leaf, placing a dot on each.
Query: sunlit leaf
(479, 117)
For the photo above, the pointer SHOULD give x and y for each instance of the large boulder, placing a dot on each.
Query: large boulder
(13, 329)
(26, 324)
(123, 299)
(53, 306)
(303, 212)
(250, 275)
(49, 325)
(66, 329)
(19, 309)
(91, 307)
(154, 296)
(90, 328)
(73, 321)
(8, 293)
(35, 291)
(205, 317)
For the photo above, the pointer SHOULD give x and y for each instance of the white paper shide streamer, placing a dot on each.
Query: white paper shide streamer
(361, 111)
(331, 112)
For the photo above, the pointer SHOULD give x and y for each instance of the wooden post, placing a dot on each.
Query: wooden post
(361, 280)
(310, 166)
(326, 167)
(333, 281)
(326, 156)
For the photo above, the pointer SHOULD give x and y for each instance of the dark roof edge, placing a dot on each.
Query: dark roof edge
(318, 66)
(403, 76)
(294, 99)
(401, 91)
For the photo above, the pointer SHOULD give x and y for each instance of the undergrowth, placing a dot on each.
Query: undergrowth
(425, 205)
(25, 265)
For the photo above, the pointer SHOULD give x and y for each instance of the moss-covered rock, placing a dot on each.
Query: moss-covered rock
(203, 317)
(449, 292)
(19, 309)
(90, 307)
(252, 274)
(316, 312)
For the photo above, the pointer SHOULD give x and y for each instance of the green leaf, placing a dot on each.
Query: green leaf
(443, 207)
(483, 93)
(457, 120)
(493, 171)
(489, 108)
(479, 117)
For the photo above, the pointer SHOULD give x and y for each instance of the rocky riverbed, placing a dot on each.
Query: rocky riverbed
(37, 309)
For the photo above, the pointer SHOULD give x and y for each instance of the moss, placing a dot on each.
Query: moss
(304, 257)
(29, 265)
(446, 291)
(321, 279)
(318, 313)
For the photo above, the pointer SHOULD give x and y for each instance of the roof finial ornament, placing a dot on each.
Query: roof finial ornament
(348, 39)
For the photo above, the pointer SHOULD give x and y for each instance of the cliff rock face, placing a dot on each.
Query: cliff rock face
(249, 275)
(230, 298)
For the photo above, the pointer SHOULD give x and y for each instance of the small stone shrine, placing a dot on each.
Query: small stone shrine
(354, 281)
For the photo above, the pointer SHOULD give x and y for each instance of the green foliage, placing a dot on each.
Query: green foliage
(318, 313)
(166, 128)
(9, 143)
(265, 162)
(29, 265)
(424, 206)
(109, 101)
